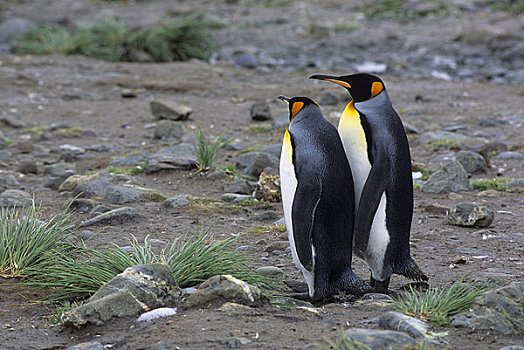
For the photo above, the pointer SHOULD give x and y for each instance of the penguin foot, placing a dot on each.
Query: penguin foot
(379, 286)
(413, 272)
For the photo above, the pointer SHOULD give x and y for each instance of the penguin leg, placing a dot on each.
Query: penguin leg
(379, 286)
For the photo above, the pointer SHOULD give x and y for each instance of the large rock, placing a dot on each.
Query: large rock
(224, 287)
(73, 181)
(92, 189)
(501, 309)
(252, 163)
(379, 339)
(472, 162)
(240, 186)
(180, 156)
(170, 110)
(470, 215)
(15, 198)
(452, 178)
(398, 322)
(260, 111)
(139, 288)
(130, 194)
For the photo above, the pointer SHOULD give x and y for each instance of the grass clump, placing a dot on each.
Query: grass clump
(205, 150)
(400, 11)
(177, 41)
(438, 305)
(28, 243)
(266, 229)
(45, 40)
(107, 40)
(498, 184)
(77, 276)
(111, 39)
(444, 143)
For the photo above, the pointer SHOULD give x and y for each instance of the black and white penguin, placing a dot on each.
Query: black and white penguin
(377, 149)
(318, 203)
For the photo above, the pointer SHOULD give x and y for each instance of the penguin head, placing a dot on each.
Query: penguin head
(297, 104)
(361, 86)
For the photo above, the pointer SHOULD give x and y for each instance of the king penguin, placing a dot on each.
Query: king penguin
(377, 149)
(318, 203)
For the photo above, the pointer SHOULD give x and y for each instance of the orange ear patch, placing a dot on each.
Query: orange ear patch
(376, 88)
(297, 106)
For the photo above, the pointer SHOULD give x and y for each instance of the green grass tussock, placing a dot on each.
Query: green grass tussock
(205, 150)
(46, 40)
(438, 305)
(28, 243)
(110, 39)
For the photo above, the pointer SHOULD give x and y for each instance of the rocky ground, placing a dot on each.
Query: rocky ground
(455, 76)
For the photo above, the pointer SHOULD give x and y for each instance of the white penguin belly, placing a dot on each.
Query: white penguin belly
(288, 186)
(378, 241)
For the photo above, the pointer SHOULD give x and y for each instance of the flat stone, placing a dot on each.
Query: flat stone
(381, 339)
(246, 60)
(435, 208)
(56, 179)
(139, 288)
(398, 322)
(224, 287)
(15, 198)
(518, 182)
(92, 345)
(269, 270)
(237, 342)
(235, 197)
(501, 309)
(9, 181)
(234, 308)
(116, 215)
(471, 215)
(171, 110)
(452, 178)
(180, 156)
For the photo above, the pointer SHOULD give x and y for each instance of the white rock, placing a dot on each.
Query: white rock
(157, 313)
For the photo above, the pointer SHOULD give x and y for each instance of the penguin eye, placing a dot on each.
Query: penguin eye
(297, 106)
(376, 88)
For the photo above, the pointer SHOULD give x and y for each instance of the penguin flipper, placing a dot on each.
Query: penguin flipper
(369, 201)
(307, 197)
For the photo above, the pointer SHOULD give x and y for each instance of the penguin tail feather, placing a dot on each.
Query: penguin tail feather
(413, 272)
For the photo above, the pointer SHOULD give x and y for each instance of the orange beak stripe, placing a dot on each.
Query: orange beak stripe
(340, 82)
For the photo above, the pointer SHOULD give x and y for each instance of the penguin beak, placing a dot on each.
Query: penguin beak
(331, 78)
(284, 98)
